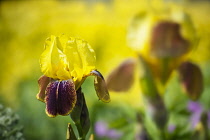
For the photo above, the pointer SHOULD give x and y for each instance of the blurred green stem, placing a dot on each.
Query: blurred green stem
(204, 121)
(79, 128)
(163, 137)
(165, 70)
(147, 82)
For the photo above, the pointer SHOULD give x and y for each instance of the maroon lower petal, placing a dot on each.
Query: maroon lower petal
(51, 98)
(121, 78)
(192, 79)
(66, 97)
(43, 82)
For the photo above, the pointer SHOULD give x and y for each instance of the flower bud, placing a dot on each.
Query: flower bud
(85, 119)
(80, 114)
(76, 112)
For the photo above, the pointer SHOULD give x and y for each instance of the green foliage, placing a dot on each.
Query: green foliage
(117, 116)
(10, 129)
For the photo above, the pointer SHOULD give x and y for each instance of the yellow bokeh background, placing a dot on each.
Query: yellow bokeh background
(24, 26)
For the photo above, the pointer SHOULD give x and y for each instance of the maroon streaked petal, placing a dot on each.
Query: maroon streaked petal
(43, 82)
(121, 78)
(100, 86)
(192, 79)
(66, 97)
(51, 98)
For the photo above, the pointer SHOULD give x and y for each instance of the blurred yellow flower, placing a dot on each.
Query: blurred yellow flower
(176, 31)
(163, 39)
(67, 58)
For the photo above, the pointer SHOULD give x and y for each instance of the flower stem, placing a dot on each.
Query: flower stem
(79, 129)
(204, 121)
(80, 116)
(165, 71)
(163, 137)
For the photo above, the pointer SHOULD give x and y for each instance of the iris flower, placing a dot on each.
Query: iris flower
(163, 40)
(65, 63)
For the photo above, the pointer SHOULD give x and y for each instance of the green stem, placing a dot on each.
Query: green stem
(80, 116)
(79, 129)
(206, 134)
(165, 70)
(204, 121)
(163, 137)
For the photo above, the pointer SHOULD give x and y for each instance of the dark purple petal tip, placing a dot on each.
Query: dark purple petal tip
(60, 98)
(51, 101)
(66, 97)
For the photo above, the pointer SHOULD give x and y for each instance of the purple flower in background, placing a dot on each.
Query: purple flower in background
(114, 134)
(196, 109)
(171, 128)
(102, 130)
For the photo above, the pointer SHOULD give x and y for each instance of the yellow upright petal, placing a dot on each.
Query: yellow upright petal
(67, 58)
(53, 60)
(74, 59)
(87, 55)
(46, 58)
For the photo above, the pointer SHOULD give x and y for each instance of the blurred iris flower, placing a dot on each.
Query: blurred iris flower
(66, 62)
(162, 42)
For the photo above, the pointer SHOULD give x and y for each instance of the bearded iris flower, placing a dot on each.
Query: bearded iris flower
(65, 63)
